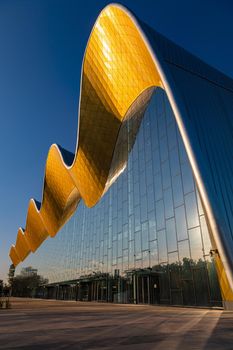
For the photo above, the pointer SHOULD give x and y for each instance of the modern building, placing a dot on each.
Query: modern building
(151, 176)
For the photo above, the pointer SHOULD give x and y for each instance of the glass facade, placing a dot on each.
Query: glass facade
(147, 240)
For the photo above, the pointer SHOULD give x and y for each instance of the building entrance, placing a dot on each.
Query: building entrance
(146, 287)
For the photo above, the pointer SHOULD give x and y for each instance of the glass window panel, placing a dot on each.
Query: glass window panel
(131, 227)
(119, 219)
(149, 175)
(125, 236)
(138, 263)
(138, 242)
(173, 258)
(205, 235)
(182, 151)
(178, 196)
(171, 235)
(184, 250)
(141, 158)
(136, 194)
(125, 212)
(148, 151)
(160, 220)
(162, 246)
(171, 135)
(191, 210)
(188, 291)
(155, 138)
(114, 252)
(119, 264)
(145, 259)
(176, 297)
(125, 187)
(168, 203)
(174, 161)
(152, 233)
(125, 259)
(114, 228)
(187, 176)
(137, 218)
(131, 254)
(147, 128)
(152, 226)
(169, 113)
(153, 253)
(156, 160)
(142, 183)
(158, 186)
(181, 227)
(152, 219)
(150, 199)
(174, 269)
(164, 284)
(163, 149)
(196, 243)
(145, 236)
(199, 204)
(201, 285)
(166, 176)
(140, 139)
(161, 124)
(143, 208)
(159, 102)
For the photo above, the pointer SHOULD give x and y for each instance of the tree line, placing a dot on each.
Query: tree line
(22, 285)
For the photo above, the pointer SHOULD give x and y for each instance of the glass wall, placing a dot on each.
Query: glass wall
(147, 240)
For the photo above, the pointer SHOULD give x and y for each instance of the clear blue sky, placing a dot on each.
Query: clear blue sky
(41, 49)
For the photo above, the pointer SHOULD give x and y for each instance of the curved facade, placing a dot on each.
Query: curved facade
(149, 227)
(123, 62)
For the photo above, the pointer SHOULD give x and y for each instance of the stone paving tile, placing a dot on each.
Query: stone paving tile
(50, 324)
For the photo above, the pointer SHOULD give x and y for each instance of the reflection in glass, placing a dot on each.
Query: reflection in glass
(147, 239)
(181, 226)
(191, 210)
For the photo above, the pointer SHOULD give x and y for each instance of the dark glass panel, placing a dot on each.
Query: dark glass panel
(176, 297)
(201, 284)
(188, 292)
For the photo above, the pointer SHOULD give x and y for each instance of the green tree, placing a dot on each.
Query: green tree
(26, 285)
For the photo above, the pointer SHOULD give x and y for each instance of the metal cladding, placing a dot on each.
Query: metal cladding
(124, 60)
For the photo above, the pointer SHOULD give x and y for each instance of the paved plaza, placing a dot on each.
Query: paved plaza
(50, 324)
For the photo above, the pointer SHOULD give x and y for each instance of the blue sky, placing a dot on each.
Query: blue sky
(41, 49)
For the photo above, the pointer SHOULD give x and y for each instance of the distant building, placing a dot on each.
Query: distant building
(28, 271)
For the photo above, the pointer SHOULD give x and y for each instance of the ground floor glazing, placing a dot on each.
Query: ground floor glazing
(194, 285)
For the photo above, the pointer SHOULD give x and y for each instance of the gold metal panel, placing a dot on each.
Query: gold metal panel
(60, 197)
(21, 245)
(35, 231)
(14, 256)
